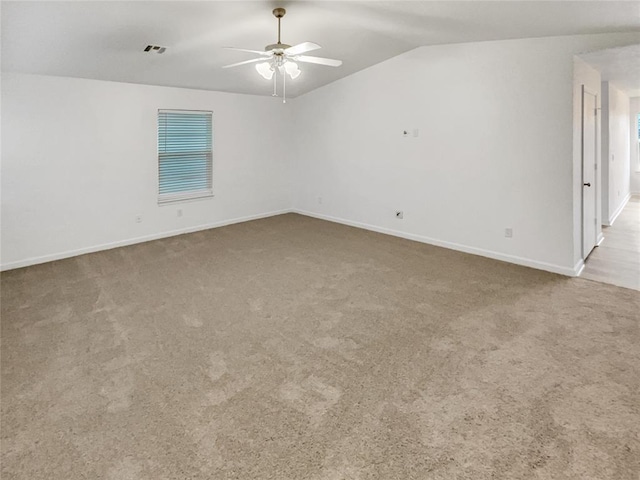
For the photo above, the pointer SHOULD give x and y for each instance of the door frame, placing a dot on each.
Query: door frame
(596, 179)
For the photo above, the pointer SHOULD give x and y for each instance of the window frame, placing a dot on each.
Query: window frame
(189, 195)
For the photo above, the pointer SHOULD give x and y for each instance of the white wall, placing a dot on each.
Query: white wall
(495, 148)
(79, 163)
(634, 147)
(604, 152)
(616, 153)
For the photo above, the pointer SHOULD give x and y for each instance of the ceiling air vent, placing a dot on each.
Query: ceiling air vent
(154, 49)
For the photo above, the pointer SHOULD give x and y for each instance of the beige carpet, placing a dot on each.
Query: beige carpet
(292, 348)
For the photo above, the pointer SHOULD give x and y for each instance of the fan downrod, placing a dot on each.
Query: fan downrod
(279, 47)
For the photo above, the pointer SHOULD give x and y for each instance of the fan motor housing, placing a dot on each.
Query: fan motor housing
(276, 48)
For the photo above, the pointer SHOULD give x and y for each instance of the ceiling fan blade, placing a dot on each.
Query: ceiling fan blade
(253, 60)
(259, 52)
(302, 48)
(329, 62)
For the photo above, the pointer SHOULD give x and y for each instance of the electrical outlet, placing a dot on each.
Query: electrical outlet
(179, 212)
(399, 214)
(416, 132)
(319, 200)
(138, 218)
(508, 232)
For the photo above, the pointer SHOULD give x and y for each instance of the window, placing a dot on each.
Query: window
(185, 155)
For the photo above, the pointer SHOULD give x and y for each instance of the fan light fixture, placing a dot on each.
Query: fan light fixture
(292, 69)
(265, 70)
(280, 58)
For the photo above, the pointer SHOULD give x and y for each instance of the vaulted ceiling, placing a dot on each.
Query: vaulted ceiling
(105, 39)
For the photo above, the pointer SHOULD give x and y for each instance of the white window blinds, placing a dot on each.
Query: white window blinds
(185, 155)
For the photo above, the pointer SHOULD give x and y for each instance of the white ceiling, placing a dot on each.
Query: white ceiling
(619, 66)
(105, 39)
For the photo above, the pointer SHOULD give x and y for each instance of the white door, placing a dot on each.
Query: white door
(589, 146)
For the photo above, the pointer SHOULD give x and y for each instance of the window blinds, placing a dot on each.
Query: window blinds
(185, 159)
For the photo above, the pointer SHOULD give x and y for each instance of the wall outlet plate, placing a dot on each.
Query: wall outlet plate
(508, 232)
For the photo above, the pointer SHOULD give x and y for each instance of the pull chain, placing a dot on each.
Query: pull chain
(275, 83)
(284, 87)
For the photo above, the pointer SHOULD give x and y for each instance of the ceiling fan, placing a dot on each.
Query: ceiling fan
(282, 58)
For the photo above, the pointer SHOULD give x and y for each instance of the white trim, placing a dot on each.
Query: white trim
(549, 267)
(184, 112)
(600, 239)
(578, 268)
(618, 210)
(184, 197)
(571, 272)
(130, 241)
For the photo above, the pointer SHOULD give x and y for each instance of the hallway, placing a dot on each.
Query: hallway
(617, 259)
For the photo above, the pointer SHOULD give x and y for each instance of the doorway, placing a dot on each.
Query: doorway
(589, 166)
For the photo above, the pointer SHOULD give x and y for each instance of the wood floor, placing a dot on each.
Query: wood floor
(617, 259)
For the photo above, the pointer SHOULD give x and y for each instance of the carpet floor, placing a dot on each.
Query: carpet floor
(293, 348)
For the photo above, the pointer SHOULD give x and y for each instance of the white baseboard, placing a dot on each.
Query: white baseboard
(572, 272)
(618, 210)
(578, 268)
(130, 241)
(600, 239)
(568, 271)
